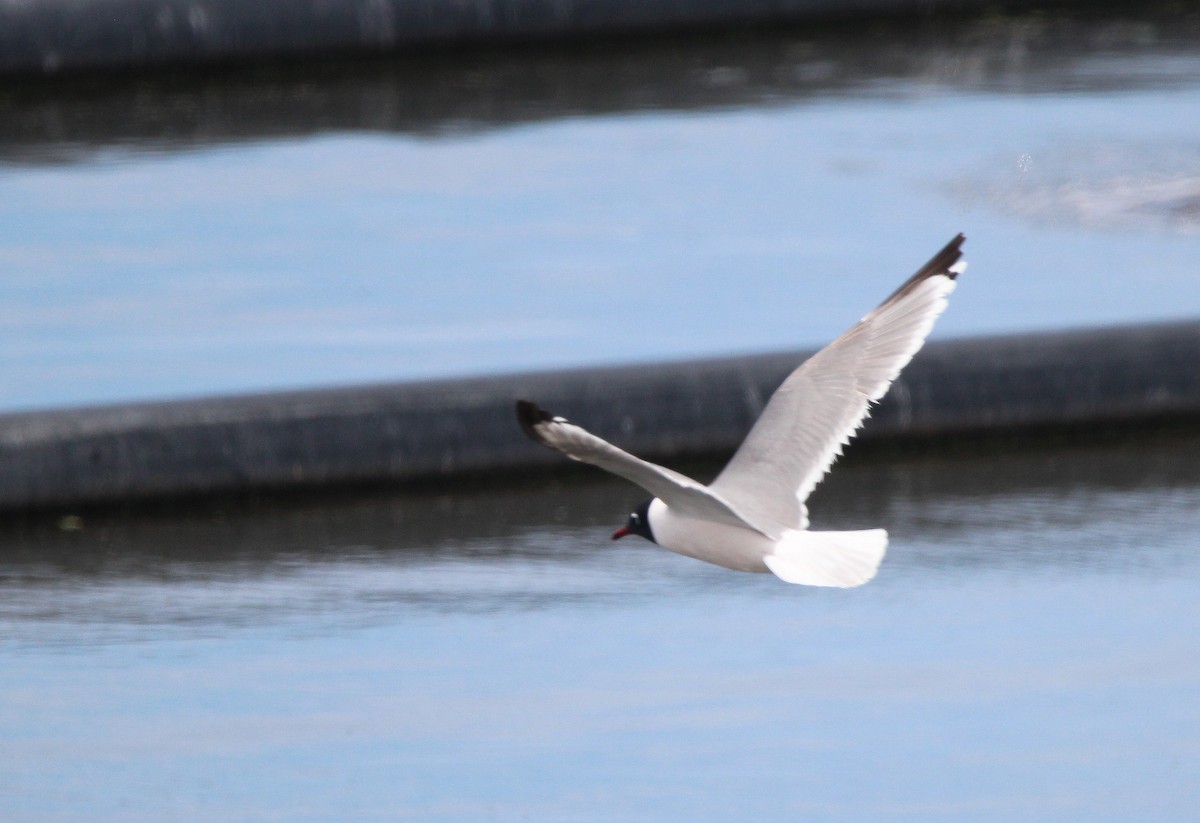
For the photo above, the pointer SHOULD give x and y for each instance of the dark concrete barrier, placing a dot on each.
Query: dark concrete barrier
(447, 429)
(49, 36)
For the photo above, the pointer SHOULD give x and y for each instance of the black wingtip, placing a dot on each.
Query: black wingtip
(529, 414)
(940, 263)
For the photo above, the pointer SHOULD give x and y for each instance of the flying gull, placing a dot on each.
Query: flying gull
(753, 516)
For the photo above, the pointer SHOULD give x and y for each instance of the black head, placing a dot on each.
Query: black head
(638, 523)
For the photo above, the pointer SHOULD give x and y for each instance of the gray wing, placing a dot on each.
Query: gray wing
(681, 493)
(822, 403)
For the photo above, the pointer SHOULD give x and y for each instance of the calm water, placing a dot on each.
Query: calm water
(625, 202)
(1030, 651)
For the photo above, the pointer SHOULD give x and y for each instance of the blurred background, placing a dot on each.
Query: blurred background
(480, 651)
(239, 228)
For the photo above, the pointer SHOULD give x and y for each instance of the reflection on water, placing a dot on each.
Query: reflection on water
(440, 93)
(1030, 649)
(545, 543)
(475, 213)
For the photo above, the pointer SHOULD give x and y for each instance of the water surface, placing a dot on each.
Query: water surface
(1030, 650)
(623, 202)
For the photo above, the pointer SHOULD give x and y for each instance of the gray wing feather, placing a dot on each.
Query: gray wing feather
(818, 408)
(682, 494)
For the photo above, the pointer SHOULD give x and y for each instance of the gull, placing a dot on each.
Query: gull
(753, 517)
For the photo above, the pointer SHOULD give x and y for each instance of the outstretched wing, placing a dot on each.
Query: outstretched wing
(822, 403)
(681, 493)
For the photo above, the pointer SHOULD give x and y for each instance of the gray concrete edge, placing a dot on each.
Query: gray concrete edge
(53, 36)
(448, 429)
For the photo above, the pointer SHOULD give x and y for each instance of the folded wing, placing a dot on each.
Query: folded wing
(682, 494)
(822, 403)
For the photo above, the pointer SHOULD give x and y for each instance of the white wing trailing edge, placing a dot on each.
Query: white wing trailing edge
(821, 404)
(683, 494)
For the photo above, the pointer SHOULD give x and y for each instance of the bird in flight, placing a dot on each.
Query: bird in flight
(753, 516)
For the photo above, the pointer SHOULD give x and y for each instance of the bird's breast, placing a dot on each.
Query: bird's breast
(728, 546)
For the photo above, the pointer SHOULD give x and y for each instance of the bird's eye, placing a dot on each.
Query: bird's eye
(634, 517)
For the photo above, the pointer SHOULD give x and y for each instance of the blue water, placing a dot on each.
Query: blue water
(1030, 650)
(1031, 647)
(337, 256)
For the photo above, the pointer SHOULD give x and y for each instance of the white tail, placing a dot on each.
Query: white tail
(841, 559)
